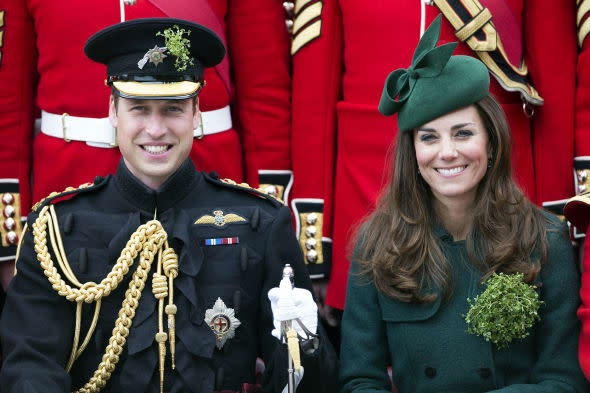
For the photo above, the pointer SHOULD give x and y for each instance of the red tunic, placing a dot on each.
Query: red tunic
(340, 141)
(577, 209)
(43, 65)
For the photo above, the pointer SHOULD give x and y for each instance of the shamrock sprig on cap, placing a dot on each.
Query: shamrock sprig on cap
(178, 46)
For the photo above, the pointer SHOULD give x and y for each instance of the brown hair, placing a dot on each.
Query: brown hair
(398, 248)
(116, 100)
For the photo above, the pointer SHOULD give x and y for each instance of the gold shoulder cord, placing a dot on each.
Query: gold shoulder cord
(149, 239)
(247, 187)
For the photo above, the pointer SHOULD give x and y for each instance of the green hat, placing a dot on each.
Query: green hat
(435, 84)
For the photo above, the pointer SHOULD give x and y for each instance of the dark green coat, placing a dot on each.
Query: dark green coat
(430, 351)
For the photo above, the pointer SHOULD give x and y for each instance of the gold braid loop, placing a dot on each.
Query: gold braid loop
(146, 241)
(90, 293)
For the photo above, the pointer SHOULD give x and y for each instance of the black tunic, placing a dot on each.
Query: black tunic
(37, 325)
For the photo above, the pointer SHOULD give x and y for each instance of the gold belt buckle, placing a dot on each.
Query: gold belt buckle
(63, 126)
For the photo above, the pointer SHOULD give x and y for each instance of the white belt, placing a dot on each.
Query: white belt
(100, 133)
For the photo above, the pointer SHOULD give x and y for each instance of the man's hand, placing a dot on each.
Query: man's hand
(292, 303)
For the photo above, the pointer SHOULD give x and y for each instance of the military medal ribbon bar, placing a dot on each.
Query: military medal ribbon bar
(221, 241)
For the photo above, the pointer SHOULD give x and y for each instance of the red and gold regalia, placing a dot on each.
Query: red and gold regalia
(577, 209)
(45, 76)
(343, 51)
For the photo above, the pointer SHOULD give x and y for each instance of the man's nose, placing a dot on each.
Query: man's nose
(155, 126)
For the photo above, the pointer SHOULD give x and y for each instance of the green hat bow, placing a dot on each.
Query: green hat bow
(435, 83)
(428, 61)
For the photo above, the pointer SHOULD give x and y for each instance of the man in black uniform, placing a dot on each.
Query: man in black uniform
(157, 278)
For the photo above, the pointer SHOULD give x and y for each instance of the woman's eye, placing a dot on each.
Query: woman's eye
(464, 133)
(138, 108)
(427, 137)
(174, 109)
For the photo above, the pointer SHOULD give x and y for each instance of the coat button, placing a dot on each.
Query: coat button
(484, 372)
(430, 372)
(98, 179)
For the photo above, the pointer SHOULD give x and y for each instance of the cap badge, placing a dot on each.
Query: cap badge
(222, 321)
(155, 56)
(219, 219)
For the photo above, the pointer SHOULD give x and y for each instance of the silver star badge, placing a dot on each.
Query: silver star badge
(222, 321)
(155, 56)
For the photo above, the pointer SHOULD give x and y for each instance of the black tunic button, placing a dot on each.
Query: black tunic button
(98, 341)
(98, 179)
(214, 175)
(219, 379)
(68, 224)
(244, 259)
(255, 219)
(430, 372)
(83, 261)
(484, 372)
(237, 301)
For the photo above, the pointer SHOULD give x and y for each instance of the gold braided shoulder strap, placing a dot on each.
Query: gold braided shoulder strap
(147, 241)
(257, 191)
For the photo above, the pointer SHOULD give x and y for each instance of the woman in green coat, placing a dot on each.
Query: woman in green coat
(450, 218)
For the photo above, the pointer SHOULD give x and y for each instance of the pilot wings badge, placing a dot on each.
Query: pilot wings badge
(219, 219)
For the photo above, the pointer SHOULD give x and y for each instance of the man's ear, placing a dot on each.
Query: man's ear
(113, 112)
(196, 114)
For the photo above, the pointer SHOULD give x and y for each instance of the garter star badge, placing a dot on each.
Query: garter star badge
(222, 321)
(219, 219)
(155, 56)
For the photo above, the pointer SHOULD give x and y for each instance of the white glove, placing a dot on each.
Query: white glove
(291, 303)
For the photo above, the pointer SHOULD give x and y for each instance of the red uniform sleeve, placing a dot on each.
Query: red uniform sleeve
(549, 37)
(577, 211)
(582, 130)
(17, 78)
(258, 44)
(582, 166)
(317, 74)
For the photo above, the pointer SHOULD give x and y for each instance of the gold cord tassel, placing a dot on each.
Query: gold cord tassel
(293, 344)
(170, 264)
(160, 290)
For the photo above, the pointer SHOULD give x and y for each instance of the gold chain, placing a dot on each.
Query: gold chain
(147, 240)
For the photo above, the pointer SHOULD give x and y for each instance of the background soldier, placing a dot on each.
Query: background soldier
(577, 209)
(209, 250)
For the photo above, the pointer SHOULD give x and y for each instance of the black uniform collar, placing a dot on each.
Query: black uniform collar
(171, 192)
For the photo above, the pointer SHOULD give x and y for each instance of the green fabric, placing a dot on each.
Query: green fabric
(435, 84)
(378, 331)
